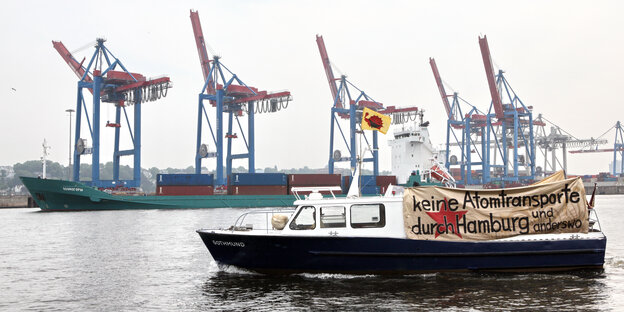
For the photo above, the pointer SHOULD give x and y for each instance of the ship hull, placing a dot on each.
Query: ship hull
(359, 255)
(61, 195)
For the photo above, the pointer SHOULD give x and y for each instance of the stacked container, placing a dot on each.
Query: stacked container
(346, 181)
(184, 184)
(456, 173)
(368, 184)
(257, 184)
(384, 181)
(310, 180)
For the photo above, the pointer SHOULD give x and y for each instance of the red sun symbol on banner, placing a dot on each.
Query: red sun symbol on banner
(446, 217)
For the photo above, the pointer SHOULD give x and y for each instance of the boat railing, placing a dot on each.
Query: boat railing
(259, 220)
(593, 221)
(315, 190)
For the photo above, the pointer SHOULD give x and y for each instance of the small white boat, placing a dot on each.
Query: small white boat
(370, 235)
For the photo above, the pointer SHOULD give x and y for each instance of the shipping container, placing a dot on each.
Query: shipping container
(248, 179)
(368, 180)
(346, 182)
(257, 190)
(369, 190)
(384, 181)
(184, 179)
(184, 190)
(313, 180)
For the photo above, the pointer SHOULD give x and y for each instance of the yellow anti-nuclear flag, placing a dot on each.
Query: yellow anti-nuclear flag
(372, 120)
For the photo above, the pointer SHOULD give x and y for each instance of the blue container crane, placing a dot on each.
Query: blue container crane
(121, 88)
(348, 104)
(464, 130)
(509, 129)
(230, 97)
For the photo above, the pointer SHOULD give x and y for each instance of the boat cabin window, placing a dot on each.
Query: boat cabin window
(333, 217)
(368, 216)
(305, 219)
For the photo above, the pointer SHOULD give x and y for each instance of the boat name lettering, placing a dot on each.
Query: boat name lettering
(231, 244)
(73, 189)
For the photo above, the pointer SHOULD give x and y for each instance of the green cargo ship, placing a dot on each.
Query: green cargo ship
(62, 195)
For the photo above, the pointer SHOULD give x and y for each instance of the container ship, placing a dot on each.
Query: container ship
(188, 191)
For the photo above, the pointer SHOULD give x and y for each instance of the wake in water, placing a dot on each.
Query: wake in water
(215, 268)
(614, 262)
(324, 276)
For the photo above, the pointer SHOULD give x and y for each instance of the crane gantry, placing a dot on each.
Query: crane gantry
(230, 96)
(464, 130)
(618, 148)
(510, 120)
(122, 88)
(348, 104)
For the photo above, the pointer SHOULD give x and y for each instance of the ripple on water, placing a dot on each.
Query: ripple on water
(615, 262)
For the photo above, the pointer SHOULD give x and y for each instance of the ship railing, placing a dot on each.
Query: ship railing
(594, 223)
(259, 220)
(313, 190)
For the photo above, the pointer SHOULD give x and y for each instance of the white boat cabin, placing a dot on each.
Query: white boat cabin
(315, 215)
(374, 216)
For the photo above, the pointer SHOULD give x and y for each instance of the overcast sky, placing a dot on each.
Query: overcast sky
(564, 58)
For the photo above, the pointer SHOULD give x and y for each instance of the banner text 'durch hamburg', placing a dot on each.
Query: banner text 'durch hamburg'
(438, 213)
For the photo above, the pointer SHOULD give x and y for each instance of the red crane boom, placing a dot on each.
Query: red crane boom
(201, 48)
(489, 72)
(328, 71)
(70, 60)
(443, 94)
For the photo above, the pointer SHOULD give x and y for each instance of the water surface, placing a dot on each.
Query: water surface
(154, 260)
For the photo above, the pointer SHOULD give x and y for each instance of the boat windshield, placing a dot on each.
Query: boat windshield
(264, 220)
(305, 219)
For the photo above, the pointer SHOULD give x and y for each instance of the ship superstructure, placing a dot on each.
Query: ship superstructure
(411, 149)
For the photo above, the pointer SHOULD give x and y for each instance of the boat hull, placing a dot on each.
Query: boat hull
(351, 255)
(61, 195)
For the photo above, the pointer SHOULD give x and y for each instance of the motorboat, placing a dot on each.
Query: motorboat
(377, 234)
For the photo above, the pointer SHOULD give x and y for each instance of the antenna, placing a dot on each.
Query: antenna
(44, 157)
